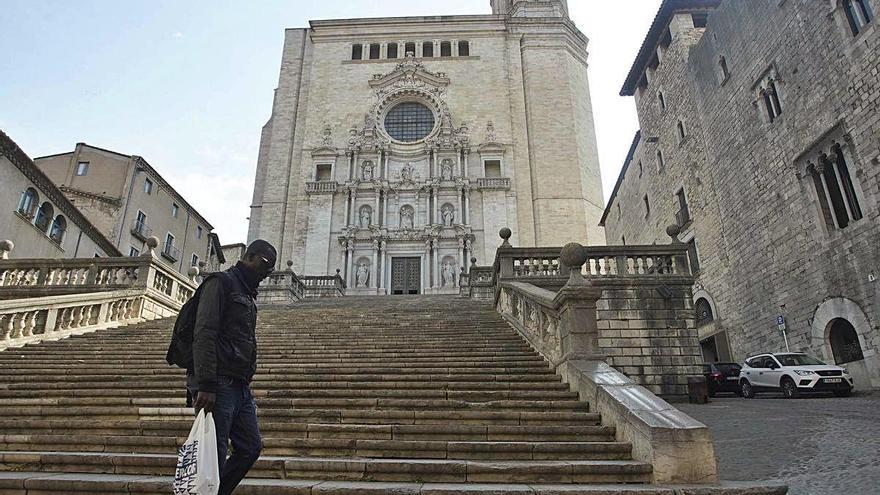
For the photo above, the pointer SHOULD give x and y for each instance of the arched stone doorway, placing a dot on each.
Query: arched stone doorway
(839, 334)
(714, 345)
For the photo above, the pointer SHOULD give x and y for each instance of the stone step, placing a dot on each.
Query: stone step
(293, 429)
(348, 469)
(336, 447)
(36, 483)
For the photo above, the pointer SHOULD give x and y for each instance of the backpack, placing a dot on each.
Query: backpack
(180, 351)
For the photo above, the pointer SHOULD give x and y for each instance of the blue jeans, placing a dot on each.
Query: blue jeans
(235, 418)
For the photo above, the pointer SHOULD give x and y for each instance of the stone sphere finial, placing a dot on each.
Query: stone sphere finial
(290, 265)
(193, 271)
(6, 247)
(505, 234)
(338, 271)
(672, 231)
(474, 261)
(573, 255)
(152, 242)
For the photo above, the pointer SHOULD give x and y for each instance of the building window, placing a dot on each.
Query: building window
(858, 14)
(409, 48)
(323, 172)
(683, 215)
(44, 217)
(392, 50)
(492, 168)
(199, 232)
(704, 312)
(82, 168)
(662, 101)
(769, 97)
(194, 261)
(835, 189)
(693, 257)
(168, 250)
(445, 49)
(647, 206)
(427, 49)
(174, 210)
(140, 225)
(59, 227)
(148, 186)
(357, 51)
(681, 133)
(661, 163)
(28, 202)
(700, 19)
(409, 122)
(845, 344)
(375, 50)
(464, 49)
(133, 252)
(722, 66)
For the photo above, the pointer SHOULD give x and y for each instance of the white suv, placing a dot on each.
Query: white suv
(792, 373)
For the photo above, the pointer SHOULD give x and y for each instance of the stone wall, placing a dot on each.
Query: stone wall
(763, 244)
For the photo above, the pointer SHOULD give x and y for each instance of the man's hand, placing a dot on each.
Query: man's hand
(205, 400)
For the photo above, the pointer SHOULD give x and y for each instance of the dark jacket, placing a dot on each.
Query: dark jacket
(224, 337)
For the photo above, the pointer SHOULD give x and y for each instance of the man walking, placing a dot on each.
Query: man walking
(225, 360)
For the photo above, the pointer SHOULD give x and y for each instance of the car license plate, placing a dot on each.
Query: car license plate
(733, 378)
(833, 380)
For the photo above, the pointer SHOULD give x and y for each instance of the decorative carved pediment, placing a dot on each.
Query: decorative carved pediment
(409, 73)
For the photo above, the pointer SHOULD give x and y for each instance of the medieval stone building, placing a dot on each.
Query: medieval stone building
(398, 147)
(760, 138)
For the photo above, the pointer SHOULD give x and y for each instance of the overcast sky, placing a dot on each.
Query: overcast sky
(188, 84)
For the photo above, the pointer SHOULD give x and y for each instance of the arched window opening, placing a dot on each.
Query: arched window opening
(28, 203)
(464, 49)
(704, 312)
(844, 342)
(445, 49)
(44, 216)
(409, 48)
(427, 49)
(392, 50)
(357, 51)
(59, 227)
(375, 49)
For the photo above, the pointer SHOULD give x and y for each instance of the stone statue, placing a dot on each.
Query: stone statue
(448, 214)
(327, 136)
(406, 174)
(446, 170)
(367, 172)
(366, 217)
(362, 275)
(407, 215)
(448, 274)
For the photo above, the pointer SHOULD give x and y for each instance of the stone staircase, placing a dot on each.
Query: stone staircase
(431, 395)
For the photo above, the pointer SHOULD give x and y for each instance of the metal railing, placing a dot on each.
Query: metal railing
(141, 230)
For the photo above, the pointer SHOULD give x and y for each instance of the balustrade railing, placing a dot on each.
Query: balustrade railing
(324, 285)
(321, 186)
(531, 310)
(493, 183)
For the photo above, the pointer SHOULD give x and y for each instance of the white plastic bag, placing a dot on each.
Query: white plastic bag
(197, 470)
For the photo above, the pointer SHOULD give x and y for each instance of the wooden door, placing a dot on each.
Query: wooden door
(406, 275)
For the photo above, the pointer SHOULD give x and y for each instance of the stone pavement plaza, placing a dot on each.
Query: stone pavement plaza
(817, 445)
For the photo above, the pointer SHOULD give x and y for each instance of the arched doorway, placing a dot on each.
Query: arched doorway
(844, 340)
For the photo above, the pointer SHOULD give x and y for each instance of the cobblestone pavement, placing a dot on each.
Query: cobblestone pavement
(818, 445)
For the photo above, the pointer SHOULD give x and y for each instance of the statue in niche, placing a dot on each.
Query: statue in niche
(352, 136)
(407, 217)
(366, 216)
(362, 276)
(367, 171)
(448, 274)
(406, 174)
(446, 169)
(448, 214)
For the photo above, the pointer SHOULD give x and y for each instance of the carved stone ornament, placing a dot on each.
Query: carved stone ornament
(491, 136)
(327, 136)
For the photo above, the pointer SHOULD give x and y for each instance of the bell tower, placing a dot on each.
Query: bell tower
(530, 8)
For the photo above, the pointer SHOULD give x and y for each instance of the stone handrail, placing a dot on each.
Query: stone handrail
(324, 285)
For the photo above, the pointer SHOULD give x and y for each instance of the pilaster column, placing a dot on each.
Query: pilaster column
(349, 246)
(466, 214)
(436, 206)
(843, 193)
(466, 166)
(374, 275)
(434, 263)
(461, 204)
(820, 169)
(461, 251)
(425, 264)
(365, 53)
(352, 171)
(385, 166)
(460, 164)
(385, 208)
(353, 206)
(376, 220)
(383, 267)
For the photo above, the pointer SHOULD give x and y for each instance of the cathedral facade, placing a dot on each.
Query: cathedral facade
(398, 147)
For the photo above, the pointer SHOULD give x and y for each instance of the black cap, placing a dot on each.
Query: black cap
(264, 249)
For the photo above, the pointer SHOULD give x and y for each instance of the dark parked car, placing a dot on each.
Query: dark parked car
(722, 377)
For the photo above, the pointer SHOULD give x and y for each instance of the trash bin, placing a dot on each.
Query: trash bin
(698, 390)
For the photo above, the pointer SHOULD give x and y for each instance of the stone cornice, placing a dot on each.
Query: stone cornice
(97, 197)
(13, 153)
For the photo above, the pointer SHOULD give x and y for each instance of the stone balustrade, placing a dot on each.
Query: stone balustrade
(493, 183)
(324, 285)
(322, 187)
(46, 298)
(286, 287)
